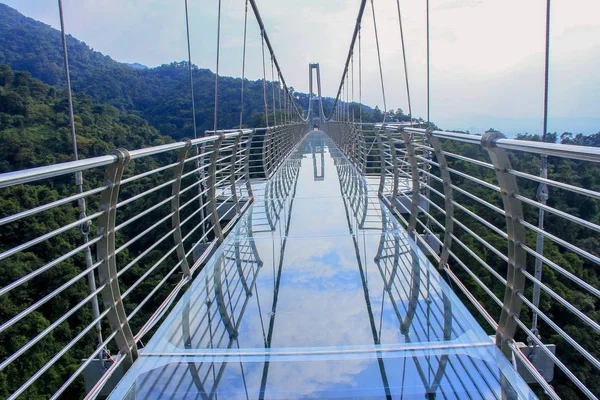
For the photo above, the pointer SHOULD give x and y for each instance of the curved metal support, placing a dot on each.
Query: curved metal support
(107, 270)
(448, 199)
(383, 170)
(212, 189)
(175, 204)
(247, 164)
(232, 173)
(515, 279)
(416, 183)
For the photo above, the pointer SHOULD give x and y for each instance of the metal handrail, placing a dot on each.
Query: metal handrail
(157, 223)
(477, 203)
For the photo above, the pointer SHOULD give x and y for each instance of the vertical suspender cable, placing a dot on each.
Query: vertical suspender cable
(217, 67)
(404, 59)
(273, 92)
(542, 193)
(352, 97)
(281, 115)
(243, 65)
(379, 60)
(189, 49)
(85, 227)
(360, 107)
(428, 120)
(262, 36)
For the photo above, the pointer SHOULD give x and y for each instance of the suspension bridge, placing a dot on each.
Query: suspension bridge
(318, 257)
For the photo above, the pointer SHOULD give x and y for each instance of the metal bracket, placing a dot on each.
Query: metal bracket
(515, 280)
(416, 184)
(212, 189)
(107, 270)
(175, 204)
(448, 198)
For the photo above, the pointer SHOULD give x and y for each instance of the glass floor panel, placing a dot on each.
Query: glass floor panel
(318, 292)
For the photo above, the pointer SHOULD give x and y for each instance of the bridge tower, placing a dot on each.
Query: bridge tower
(312, 118)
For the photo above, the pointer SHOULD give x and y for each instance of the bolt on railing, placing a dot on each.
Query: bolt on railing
(470, 202)
(162, 211)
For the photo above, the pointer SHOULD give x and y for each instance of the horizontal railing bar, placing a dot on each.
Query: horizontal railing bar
(143, 213)
(559, 185)
(8, 179)
(469, 160)
(481, 240)
(49, 206)
(48, 235)
(583, 153)
(163, 307)
(8, 324)
(489, 225)
(200, 155)
(144, 253)
(144, 233)
(52, 326)
(46, 267)
(145, 193)
(561, 242)
(473, 179)
(562, 214)
(147, 173)
(562, 271)
(149, 271)
(594, 325)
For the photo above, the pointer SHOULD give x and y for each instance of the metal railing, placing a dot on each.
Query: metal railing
(161, 212)
(470, 203)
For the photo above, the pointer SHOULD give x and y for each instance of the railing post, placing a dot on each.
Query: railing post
(234, 159)
(416, 183)
(107, 270)
(448, 198)
(515, 280)
(212, 188)
(175, 207)
(247, 162)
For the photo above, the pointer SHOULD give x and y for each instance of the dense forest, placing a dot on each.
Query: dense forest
(160, 95)
(117, 105)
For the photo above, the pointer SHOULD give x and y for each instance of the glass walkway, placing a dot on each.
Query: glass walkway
(319, 293)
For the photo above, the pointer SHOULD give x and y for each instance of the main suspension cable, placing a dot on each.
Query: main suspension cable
(355, 35)
(266, 40)
(189, 49)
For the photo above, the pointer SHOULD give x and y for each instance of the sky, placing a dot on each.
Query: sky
(486, 56)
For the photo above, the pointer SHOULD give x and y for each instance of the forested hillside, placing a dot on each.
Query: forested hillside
(117, 105)
(160, 95)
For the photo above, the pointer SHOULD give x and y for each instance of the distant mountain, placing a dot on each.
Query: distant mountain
(136, 65)
(160, 95)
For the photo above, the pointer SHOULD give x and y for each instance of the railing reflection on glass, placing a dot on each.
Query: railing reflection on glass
(470, 203)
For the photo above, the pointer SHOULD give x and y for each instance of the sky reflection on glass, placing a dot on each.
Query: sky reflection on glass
(319, 293)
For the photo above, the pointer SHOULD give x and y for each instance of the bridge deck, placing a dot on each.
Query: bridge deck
(319, 293)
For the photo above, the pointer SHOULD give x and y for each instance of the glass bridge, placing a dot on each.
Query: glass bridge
(319, 293)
